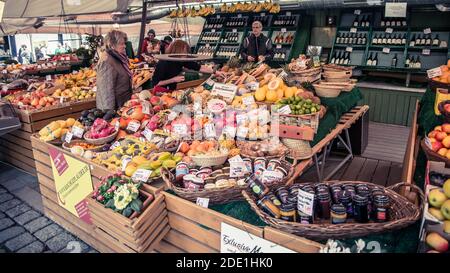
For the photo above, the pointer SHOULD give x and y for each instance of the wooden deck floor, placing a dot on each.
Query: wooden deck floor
(386, 142)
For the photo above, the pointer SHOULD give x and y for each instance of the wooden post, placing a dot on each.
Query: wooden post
(143, 21)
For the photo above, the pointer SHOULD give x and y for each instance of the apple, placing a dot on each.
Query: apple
(446, 142)
(447, 108)
(446, 188)
(436, 197)
(446, 128)
(437, 242)
(438, 128)
(436, 146)
(442, 151)
(432, 134)
(445, 209)
(436, 213)
(440, 136)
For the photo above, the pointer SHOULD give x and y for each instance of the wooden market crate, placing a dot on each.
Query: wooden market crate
(107, 234)
(15, 147)
(195, 229)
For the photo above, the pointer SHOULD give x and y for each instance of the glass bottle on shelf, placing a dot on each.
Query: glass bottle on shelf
(417, 43)
(422, 40)
(394, 61)
(375, 39)
(428, 40)
(436, 40)
(418, 63)
(389, 39)
(369, 60)
(404, 39)
(355, 22)
(375, 60)
(384, 39)
(412, 42)
(383, 22)
(407, 61)
(347, 58)
(333, 58)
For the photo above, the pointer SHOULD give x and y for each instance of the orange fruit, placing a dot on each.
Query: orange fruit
(184, 147)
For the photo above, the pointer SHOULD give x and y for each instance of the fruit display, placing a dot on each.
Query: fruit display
(74, 94)
(100, 129)
(251, 7)
(192, 12)
(12, 68)
(261, 149)
(304, 104)
(35, 100)
(64, 58)
(445, 73)
(439, 140)
(88, 117)
(141, 76)
(84, 78)
(58, 129)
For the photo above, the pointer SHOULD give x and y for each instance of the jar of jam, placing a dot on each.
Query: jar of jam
(321, 186)
(267, 206)
(260, 163)
(193, 171)
(196, 184)
(256, 186)
(335, 193)
(323, 205)
(273, 164)
(360, 208)
(181, 170)
(380, 208)
(248, 165)
(338, 214)
(304, 218)
(207, 170)
(293, 190)
(346, 200)
(274, 199)
(292, 198)
(350, 189)
(288, 212)
(282, 171)
(362, 188)
(282, 194)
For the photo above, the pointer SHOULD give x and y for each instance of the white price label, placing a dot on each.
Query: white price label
(218, 16)
(283, 74)
(228, 91)
(249, 100)
(125, 161)
(77, 131)
(357, 12)
(253, 86)
(285, 110)
(133, 126)
(117, 126)
(148, 134)
(209, 82)
(349, 49)
(427, 31)
(213, 30)
(4, 71)
(263, 14)
(305, 202)
(271, 176)
(74, 72)
(180, 129)
(141, 175)
(230, 131)
(202, 202)
(428, 142)
(435, 72)
(61, 99)
(48, 78)
(145, 66)
(242, 132)
(240, 119)
(94, 89)
(236, 158)
(237, 169)
(288, 13)
(69, 137)
(207, 45)
(278, 46)
(443, 44)
(283, 30)
(234, 30)
(386, 50)
(145, 107)
(210, 130)
(173, 115)
(353, 30)
(55, 63)
(426, 51)
(389, 30)
(239, 15)
(395, 10)
(115, 145)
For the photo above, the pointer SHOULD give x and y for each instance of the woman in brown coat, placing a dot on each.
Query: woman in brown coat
(113, 73)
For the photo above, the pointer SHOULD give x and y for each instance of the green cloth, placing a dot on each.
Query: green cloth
(129, 50)
(427, 119)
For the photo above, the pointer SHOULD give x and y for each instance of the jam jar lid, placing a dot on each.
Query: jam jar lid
(338, 209)
(287, 206)
(345, 196)
(381, 198)
(281, 189)
(360, 200)
(260, 158)
(282, 170)
(274, 199)
(308, 189)
(321, 185)
(323, 196)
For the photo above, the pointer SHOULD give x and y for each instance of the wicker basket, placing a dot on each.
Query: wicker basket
(240, 143)
(402, 213)
(100, 141)
(210, 161)
(432, 155)
(327, 91)
(67, 146)
(298, 149)
(218, 195)
(308, 75)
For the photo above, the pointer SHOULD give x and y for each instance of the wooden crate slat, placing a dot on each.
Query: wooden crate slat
(22, 142)
(22, 134)
(293, 242)
(186, 243)
(162, 231)
(161, 225)
(61, 111)
(16, 148)
(166, 247)
(17, 157)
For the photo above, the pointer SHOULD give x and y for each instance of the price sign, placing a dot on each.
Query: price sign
(288, 13)
(357, 12)
(173, 115)
(443, 44)
(389, 30)
(117, 126)
(125, 161)
(253, 86)
(349, 49)
(202, 202)
(386, 50)
(69, 137)
(61, 99)
(263, 14)
(133, 126)
(234, 30)
(278, 46)
(213, 30)
(426, 51)
(210, 130)
(240, 119)
(145, 66)
(228, 91)
(180, 129)
(249, 100)
(4, 71)
(395, 10)
(271, 176)
(141, 175)
(435, 72)
(242, 132)
(239, 15)
(48, 78)
(283, 74)
(77, 131)
(285, 110)
(427, 31)
(230, 131)
(305, 202)
(115, 145)
(146, 107)
(283, 30)
(148, 134)
(353, 30)
(74, 72)
(207, 45)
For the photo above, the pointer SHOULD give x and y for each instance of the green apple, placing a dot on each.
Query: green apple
(446, 188)
(436, 197)
(445, 209)
(436, 213)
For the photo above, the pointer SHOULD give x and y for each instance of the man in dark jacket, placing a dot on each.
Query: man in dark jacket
(256, 47)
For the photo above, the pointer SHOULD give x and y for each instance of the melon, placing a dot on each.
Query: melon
(260, 94)
(271, 96)
(275, 84)
(290, 92)
(269, 76)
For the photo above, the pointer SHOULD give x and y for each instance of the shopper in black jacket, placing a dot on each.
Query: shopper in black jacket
(256, 47)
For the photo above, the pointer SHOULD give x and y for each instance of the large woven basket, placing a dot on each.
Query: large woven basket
(209, 161)
(298, 149)
(219, 195)
(402, 213)
(240, 143)
(327, 91)
(100, 141)
(432, 155)
(308, 75)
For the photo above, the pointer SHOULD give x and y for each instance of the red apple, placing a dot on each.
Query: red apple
(447, 108)
(446, 142)
(436, 146)
(432, 139)
(446, 128)
(155, 100)
(440, 136)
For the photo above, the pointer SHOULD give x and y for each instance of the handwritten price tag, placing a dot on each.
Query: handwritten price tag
(48, 78)
(386, 50)
(77, 131)
(69, 137)
(180, 129)
(426, 51)
(146, 107)
(125, 161)
(141, 175)
(305, 202)
(240, 119)
(237, 169)
(234, 30)
(283, 30)
(278, 46)
(435, 72)
(133, 126)
(210, 130)
(230, 131)
(202, 202)
(145, 66)
(285, 110)
(248, 100)
(148, 134)
(115, 145)
(427, 31)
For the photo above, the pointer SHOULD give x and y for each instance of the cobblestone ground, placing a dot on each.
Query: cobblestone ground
(23, 227)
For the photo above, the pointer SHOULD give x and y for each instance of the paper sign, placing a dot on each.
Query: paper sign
(305, 202)
(288, 13)
(148, 134)
(237, 169)
(395, 10)
(180, 129)
(435, 72)
(115, 145)
(213, 30)
(389, 30)
(202, 202)
(278, 46)
(242, 132)
(48, 78)
(173, 115)
(61, 99)
(228, 91)
(234, 30)
(427, 31)
(141, 175)
(426, 51)
(133, 126)
(386, 50)
(239, 15)
(242, 118)
(283, 74)
(349, 49)
(145, 107)
(145, 66)
(125, 161)
(285, 110)
(77, 131)
(357, 12)
(353, 30)
(74, 72)
(253, 86)
(283, 30)
(117, 126)
(249, 100)
(236, 158)
(230, 131)
(69, 137)
(207, 45)
(234, 240)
